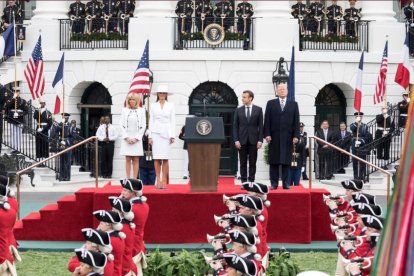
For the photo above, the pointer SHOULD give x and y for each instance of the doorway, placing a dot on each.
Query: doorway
(331, 106)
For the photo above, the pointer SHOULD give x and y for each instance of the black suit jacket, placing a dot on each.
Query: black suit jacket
(248, 131)
(329, 136)
(343, 143)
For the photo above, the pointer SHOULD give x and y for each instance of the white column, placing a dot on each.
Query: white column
(378, 11)
(51, 10)
(152, 20)
(272, 9)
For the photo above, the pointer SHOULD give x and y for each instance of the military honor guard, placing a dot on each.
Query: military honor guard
(385, 127)
(66, 137)
(315, 15)
(110, 12)
(184, 10)
(409, 13)
(17, 109)
(352, 16)
(300, 12)
(54, 138)
(303, 134)
(298, 162)
(403, 110)
(203, 14)
(126, 10)
(334, 15)
(244, 12)
(12, 13)
(93, 16)
(77, 14)
(43, 117)
(223, 12)
(361, 136)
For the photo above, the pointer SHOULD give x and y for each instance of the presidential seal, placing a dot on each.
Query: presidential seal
(214, 34)
(204, 127)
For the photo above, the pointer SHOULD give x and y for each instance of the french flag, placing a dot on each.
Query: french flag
(7, 42)
(403, 74)
(358, 86)
(58, 85)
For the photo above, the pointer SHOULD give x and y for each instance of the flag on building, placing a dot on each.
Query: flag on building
(58, 85)
(34, 71)
(404, 69)
(141, 80)
(358, 85)
(381, 87)
(7, 42)
(291, 80)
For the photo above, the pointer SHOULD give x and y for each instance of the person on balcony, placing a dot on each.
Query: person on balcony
(184, 10)
(409, 13)
(403, 110)
(244, 13)
(300, 12)
(324, 151)
(11, 13)
(93, 16)
(385, 128)
(315, 22)
(360, 137)
(44, 122)
(126, 10)
(203, 14)
(352, 16)
(17, 109)
(110, 13)
(334, 14)
(342, 138)
(66, 140)
(77, 16)
(223, 12)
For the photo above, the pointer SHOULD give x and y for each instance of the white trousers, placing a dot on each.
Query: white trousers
(16, 133)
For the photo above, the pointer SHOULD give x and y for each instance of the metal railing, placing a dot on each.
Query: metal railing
(189, 33)
(93, 138)
(96, 33)
(333, 147)
(332, 35)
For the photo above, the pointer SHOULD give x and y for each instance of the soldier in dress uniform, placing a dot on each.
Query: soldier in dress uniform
(92, 263)
(17, 109)
(223, 12)
(54, 136)
(110, 12)
(300, 12)
(93, 13)
(44, 122)
(244, 13)
(361, 136)
(3, 99)
(77, 16)
(12, 12)
(7, 219)
(78, 153)
(409, 13)
(184, 10)
(385, 127)
(126, 10)
(66, 140)
(203, 14)
(352, 16)
(334, 15)
(303, 134)
(315, 15)
(403, 110)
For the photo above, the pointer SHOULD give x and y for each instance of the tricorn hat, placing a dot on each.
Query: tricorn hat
(364, 198)
(256, 187)
(109, 217)
(367, 209)
(354, 184)
(4, 180)
(243, 265)
(373, 222)
(251, 202)
(123, 206)
(134, 185)
(101, 238)
(94, 259)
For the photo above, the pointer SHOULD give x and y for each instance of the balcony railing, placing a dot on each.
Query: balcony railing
(238, 33)
(96, 33)
(327, 35)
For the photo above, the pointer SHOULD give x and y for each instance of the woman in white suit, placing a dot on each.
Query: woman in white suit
(161, 134)
(133, 125)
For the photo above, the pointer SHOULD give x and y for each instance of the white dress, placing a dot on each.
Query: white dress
(133, 124)
(161, 129)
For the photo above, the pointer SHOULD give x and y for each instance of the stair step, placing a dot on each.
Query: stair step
(18, 225)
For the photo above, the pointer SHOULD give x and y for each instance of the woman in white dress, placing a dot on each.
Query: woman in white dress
(133, 125)
(161, 134)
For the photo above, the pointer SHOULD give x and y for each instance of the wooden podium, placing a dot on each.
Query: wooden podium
(204, 136)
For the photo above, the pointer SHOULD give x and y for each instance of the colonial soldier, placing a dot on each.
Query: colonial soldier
(203, 14)
(300, 12)
(184, 11)
(352, 16)
(93, 16)
(234, 265)
(11, 13)
(17, 109)
(385, 127)
(334, 15)
(361, 136)
(94, 262)
(77, 16)
(110, 12)
(126, 10)
(7, 220)
(66, 140)
(223, 12)
(403, 110)
(44, 123)
(244, 13)
(315, 17)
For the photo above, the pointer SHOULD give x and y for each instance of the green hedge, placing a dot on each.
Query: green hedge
(330, 38)
(200, 36)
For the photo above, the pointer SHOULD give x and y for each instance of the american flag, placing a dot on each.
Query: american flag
(34, 71)
(381, 87)
(141, 80)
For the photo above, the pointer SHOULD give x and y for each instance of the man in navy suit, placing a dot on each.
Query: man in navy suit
(342, 138)
(248, 134)
(324, 152)
(281, 130)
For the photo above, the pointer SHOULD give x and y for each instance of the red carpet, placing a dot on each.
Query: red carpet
(178, 216)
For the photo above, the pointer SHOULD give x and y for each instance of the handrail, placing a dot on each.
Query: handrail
(57, 155)
(349, 154)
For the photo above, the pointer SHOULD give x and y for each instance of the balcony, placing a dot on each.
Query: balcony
(340, 36)
(189, 33)
(96, 33)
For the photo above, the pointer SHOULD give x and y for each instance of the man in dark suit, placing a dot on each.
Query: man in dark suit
(248, 134)
(324, 152)
(281, 130)
(342, 138)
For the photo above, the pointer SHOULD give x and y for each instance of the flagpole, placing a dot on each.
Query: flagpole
(385, 87)
(15, 63)
(63, 102)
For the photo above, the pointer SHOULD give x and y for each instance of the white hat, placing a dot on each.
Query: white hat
(161, 88)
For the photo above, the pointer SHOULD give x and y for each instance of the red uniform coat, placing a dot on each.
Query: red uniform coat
(74, 263)
(262, 246)
(265, 214)
(7, 220)
(141, 211)
(118, 247)
(127, 263)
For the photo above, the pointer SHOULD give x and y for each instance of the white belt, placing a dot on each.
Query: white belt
(17, 110)
(405, 115)
(42, 124)
(381, 128)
